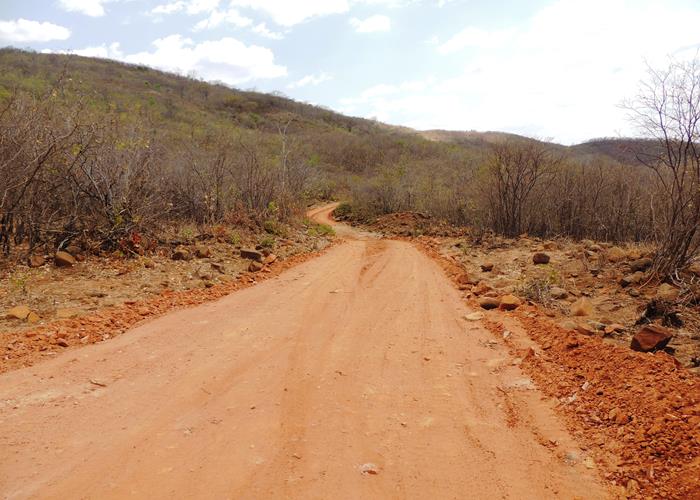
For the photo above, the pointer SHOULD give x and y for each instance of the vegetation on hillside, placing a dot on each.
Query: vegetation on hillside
(106, 151)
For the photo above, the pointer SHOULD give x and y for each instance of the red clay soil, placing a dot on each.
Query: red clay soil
(24, 348)
(643, 409)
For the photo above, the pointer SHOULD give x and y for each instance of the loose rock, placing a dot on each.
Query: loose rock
(18, 312)
(36, 260)
(631, 279)
(202, 252)
(509, 302)
(369, 468)
(181, 254)
(641, 264)
(255, 266)
(247, 253)
(489, 302)
(64, 259)
(667, 292)
(481, 288)
(650, 338)
(540, 258)
(616, 254)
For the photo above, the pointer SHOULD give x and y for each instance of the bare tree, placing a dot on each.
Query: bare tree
(667, 110)
(514, 169)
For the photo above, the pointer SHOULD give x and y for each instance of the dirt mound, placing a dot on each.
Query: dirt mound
(414, 224)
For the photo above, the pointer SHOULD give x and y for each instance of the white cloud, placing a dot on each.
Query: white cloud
(262, 30)
(168, 8)
(289, 13)
(477, 38)
(310, 80)
(24, 30)
(92, 8)
(226, 60)
(561, 73)
(371, 24)
(191, 7)
(285, 13)
(111, 51)
(218, 17)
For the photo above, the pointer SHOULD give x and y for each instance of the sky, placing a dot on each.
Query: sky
(556, 70)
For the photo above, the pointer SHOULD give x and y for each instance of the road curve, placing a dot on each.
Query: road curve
(353, 375)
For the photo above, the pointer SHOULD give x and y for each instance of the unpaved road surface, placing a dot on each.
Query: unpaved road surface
(353, 375)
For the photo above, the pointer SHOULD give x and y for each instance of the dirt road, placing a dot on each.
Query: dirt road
(354, 375)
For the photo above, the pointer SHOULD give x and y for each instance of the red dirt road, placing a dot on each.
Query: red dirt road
(289, 389)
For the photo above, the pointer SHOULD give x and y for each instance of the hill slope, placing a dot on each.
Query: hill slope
(205, 149)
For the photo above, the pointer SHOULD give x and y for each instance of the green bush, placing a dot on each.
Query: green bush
(316, 230)
(267, 242)
(274, 228)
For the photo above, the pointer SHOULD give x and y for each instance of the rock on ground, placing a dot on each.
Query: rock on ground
(64, 259)
(651, 338)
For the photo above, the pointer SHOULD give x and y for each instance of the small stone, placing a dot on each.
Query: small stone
(270, 259)
(641, 264)
(62, 343)
(614, 328)
(489, 302)
(540, 258)
(475, 316)
(36, 260)
(202, 252)
(33, 317)
(369, 468)
(181, 254)
(481, 288)
(64, 259)
(558, 293)
(247, 253)
(18, 312)
(631, 279)
(667, 292)
(255, 266)
(509, 302)
(616, 254)
(487, 267)
(650, 338)
(585, 329)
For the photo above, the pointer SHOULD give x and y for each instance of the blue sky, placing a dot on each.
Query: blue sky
(554, 69)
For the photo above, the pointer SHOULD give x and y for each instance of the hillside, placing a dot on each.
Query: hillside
(214, 148)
